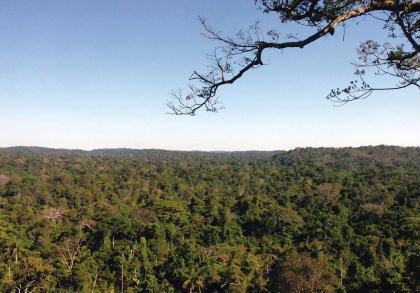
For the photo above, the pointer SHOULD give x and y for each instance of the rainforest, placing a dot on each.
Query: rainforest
(125, 220)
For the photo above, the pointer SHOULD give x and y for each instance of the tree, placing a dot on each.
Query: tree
(29, 275)
(235, 56)
(53, 214)
(4, 180)
(301, 273)
(69, 250)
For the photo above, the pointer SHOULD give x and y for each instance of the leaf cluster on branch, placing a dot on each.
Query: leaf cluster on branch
(235, 56)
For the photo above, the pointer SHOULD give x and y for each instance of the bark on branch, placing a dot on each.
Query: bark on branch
(245, 52)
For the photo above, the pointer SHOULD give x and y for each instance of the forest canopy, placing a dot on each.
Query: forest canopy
(307, 220)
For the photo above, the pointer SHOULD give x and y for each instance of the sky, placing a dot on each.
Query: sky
(97, 74)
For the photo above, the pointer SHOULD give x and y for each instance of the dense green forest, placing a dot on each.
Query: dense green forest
(306, 220)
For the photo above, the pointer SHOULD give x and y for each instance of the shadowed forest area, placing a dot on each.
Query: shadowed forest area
(306, 220)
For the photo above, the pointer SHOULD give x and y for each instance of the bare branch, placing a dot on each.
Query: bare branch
(69, 250)
(236, 56)
(53, 214)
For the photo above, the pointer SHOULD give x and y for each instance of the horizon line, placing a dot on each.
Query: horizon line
(198, 150)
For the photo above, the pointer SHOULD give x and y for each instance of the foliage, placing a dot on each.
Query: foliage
(397, 58)
(307, 220)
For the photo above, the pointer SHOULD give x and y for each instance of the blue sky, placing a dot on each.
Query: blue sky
(93, 74)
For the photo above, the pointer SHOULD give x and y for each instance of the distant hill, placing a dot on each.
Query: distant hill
(316, 156)
(351, 157)
(342, 158)
(138, 153)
